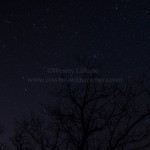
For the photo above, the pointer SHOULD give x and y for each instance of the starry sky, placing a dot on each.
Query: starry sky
(36, 35)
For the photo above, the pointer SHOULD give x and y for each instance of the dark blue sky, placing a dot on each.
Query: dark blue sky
(36, 35)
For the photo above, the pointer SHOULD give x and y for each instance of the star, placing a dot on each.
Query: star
(116, 7)
(7, 21)
(94, 55)
(4, 46)
(25, 89)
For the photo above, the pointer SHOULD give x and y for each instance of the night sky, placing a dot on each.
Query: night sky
(39, 34)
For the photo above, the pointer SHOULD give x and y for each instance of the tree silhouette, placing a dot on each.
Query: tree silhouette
(90, 115)
(3, 146)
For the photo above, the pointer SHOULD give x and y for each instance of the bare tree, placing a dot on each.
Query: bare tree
(31, 134)
(93, 115)
(3, 146)
(101, 117)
